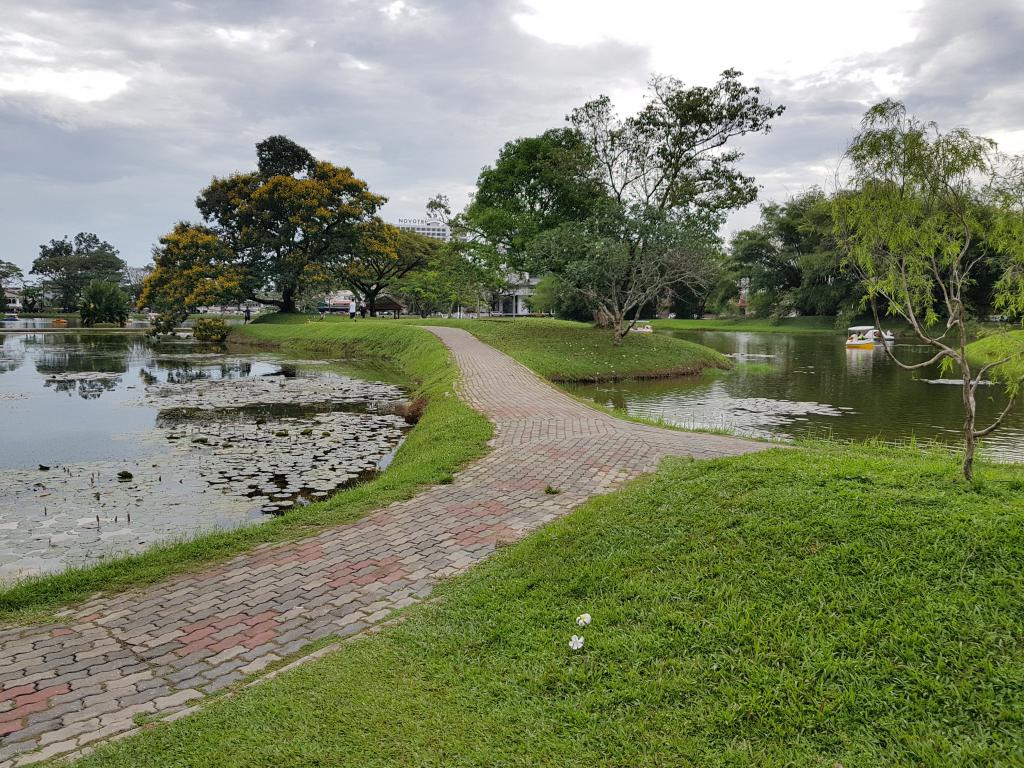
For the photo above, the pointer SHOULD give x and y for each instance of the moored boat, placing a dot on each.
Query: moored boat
(867, 337)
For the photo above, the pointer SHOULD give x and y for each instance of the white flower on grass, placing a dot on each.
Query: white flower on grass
(584, 619)
(576, 642)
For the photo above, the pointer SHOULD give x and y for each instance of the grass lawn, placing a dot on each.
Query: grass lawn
(448, 435)
(562, 350)
(818, 606)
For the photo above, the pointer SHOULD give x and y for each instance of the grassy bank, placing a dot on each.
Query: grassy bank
(448, 435)
(753, 325)
(811, 607)
(998, 347)
(561, 350)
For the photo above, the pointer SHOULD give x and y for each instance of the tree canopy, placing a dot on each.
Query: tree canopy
(383, 253)
(269, 235)
(657, 186)
(67, 266)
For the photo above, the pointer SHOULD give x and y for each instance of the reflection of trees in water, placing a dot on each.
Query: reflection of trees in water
(87, 389)
(101, 353)
(12, 354)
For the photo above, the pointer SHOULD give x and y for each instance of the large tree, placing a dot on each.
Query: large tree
(68, 265)
(917, 201)
(291, 224)
(381, 254)
(668, 182)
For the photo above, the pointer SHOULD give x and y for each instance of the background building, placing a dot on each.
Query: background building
(435, 229)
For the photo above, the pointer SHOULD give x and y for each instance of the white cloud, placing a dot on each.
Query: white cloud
(79, 85)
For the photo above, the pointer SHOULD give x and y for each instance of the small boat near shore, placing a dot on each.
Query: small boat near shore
(867, 337)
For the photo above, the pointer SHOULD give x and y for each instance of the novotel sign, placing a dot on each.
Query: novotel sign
(421, 222)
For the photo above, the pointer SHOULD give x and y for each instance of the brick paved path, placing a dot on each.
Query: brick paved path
(154, 650)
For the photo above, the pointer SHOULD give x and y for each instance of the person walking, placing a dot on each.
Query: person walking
(247, 314)
(352, 310)
(362, 309)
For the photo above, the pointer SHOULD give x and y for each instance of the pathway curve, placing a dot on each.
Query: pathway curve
(154, 650)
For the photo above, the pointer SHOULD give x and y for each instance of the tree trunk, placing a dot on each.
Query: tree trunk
(288, 300)
(370, 296)
(970, 411)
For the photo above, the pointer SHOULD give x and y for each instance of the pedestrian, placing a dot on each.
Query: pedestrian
(352, 310)
(247, 314)
(362, 310)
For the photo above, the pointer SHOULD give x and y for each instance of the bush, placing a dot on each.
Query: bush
(104, 302)
(210, 329)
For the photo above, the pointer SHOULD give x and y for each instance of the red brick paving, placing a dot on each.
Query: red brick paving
(151, 650)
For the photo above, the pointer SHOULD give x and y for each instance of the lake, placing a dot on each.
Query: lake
(809, 385)
(113, 441)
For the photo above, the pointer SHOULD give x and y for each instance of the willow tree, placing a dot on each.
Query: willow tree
(917, 204)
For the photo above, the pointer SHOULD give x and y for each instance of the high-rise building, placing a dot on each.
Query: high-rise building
(435, 229)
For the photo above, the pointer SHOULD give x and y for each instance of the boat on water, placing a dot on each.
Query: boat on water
(10, 316)
(867, 337)
(59, 322)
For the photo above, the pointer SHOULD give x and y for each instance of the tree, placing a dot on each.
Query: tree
(10, 273)
(792, 261)
(32, 298)
(290, 225)
(620, 264)
(382, 254)
(916, 201)
(449, 278)
(104, 302)
(67, 266)
(536, 184)
(135, 279)
(192, 267)
(667, 186)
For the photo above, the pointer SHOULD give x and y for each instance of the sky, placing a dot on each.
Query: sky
(114, 114)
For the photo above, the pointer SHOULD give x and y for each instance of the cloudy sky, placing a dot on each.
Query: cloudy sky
(114, 113)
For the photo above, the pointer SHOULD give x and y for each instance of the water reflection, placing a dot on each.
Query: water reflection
(804, 385)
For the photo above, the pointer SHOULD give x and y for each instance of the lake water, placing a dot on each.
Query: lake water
(808, 385)
(110, 442)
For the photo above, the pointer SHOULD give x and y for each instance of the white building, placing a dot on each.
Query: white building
(435, 229)
(12, 300)
(516, 299)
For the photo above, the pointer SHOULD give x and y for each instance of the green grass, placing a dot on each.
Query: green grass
(562, 350)
(448, 435)
(816, 606)
(997, 347)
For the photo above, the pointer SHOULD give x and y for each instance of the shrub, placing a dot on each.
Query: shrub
(210, 329)
(104, 302)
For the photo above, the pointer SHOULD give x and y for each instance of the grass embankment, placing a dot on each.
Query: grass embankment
(562, 350)
(754, 325)
(998, 347)
(448, 435)
(817, 606)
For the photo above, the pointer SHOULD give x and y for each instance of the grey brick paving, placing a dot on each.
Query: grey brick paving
(150, 651)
